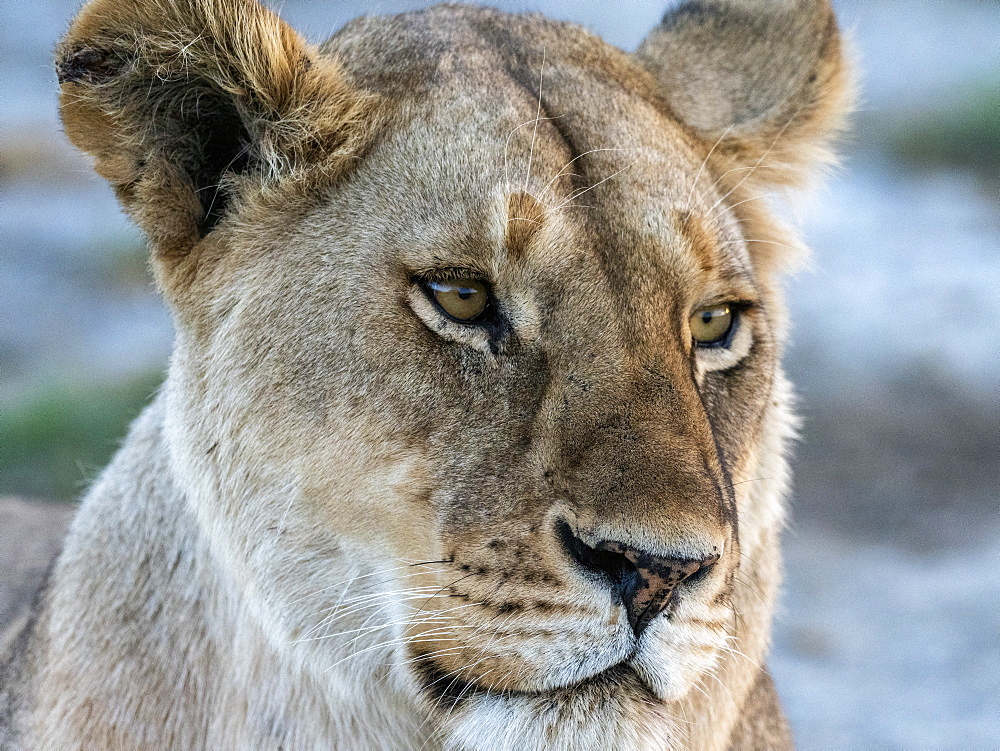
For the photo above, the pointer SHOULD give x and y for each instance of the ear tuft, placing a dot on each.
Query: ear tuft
(765, 80)
(175, 99)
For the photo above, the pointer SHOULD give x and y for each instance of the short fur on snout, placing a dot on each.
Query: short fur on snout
(348, 518)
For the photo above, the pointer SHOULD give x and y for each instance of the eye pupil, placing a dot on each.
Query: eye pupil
(465, 293)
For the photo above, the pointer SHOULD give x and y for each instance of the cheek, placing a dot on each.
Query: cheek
(299, 414)
(736, 401)
(376, 499)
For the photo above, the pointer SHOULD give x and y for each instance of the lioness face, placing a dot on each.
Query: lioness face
(499, 400)
(575, 412)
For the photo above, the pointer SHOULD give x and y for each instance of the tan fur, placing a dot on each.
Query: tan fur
(338, 525)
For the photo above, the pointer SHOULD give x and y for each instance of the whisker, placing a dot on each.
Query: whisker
(538, 112)
(694, 183)
(730, 207)
(357, 578)
(429, 563)
(744, 482)
(760, 161)
(763, 242)
(578, 156)
(506, 147)
(340, 610)
(388, 593)
(586, 190)
(389, 624)
(448, 586)
(415, 618)
(387, 602)
(750, 585)
(382, 645)
(738, 653)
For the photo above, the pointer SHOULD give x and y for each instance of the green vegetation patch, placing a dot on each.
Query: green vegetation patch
(964, 133)
(54, 444)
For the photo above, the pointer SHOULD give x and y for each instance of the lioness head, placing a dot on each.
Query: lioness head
(476, 382)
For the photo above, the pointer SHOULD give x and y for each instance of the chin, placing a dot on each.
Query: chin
(630, 705)
(612, 710)
(672, 660)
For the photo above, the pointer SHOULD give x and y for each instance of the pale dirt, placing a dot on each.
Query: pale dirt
(30, 537)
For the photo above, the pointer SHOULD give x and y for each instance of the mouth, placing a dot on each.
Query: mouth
(449, 693)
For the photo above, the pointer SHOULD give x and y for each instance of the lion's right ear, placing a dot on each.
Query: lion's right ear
(179, 101)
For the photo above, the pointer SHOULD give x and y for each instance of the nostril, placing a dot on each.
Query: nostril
(702, 572)
(611, 564)
(644, 582)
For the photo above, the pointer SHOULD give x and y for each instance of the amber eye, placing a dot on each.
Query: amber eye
(712, 325)
(462, 299)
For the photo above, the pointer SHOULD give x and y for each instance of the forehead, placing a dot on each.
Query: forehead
(488, 105)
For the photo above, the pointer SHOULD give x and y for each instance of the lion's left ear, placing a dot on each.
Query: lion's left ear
(764, 80)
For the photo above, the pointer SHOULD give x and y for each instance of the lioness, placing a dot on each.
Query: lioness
(474, 436)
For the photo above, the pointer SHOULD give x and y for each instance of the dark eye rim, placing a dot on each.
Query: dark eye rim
(736, 311)
(450, 276)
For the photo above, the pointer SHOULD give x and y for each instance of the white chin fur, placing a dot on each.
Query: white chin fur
(524, 723)
(671, 661)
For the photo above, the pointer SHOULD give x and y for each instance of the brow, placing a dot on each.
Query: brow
(525, 216)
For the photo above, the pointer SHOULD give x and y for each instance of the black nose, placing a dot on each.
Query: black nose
(645, 582)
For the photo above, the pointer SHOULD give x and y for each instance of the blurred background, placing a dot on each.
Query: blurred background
(889, 631)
